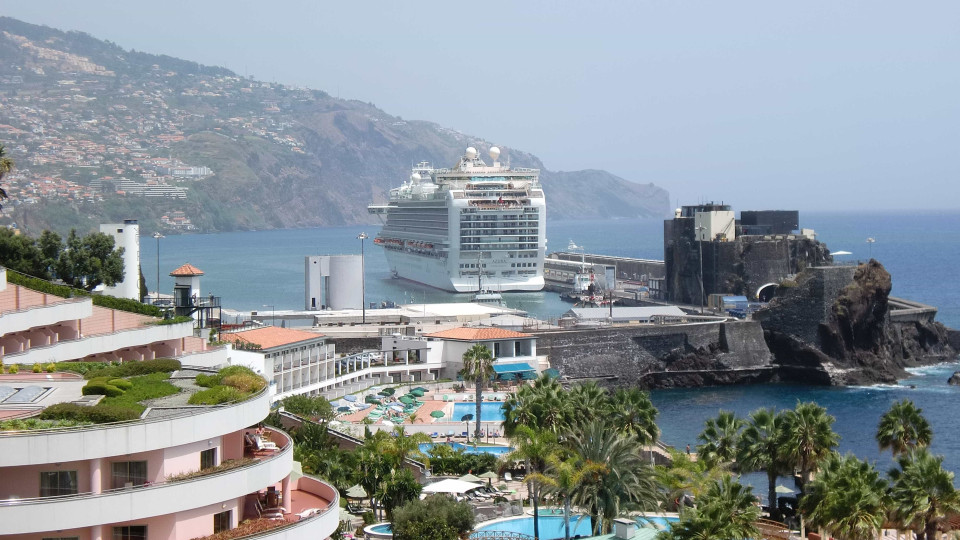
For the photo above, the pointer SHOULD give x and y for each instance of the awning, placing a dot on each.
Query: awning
(520, 367)
(451, 486)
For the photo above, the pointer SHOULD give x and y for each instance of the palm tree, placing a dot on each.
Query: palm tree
(922, 492)
(402, 446)
(534, 447)
(806, 438)
(627, 482)
(847, 499)
(903, 427)
(720, 437)
(725, 511)
(542, 405)
(758, 450)
(564, 477)
(686, 476)
(589, 400)
(478, 366)
(6, 165)
(635, 414)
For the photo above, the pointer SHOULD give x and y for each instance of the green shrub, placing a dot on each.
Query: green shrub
(122, 304)
(143, 387)
(207, 381)
(37, 368)
(216, 396)
(126, 304)
(101, 388)
(246, 383)
(122, 384)
(14, 368)
(369, 518)
(98, 414)
(50, 368)
(26, 424)
(80, 367)
(173, 320)
(129, 369)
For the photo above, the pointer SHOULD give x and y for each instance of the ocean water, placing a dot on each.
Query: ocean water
(264, 269)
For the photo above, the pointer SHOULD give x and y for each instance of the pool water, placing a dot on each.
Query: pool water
(469, 449)
(551, 527)
(491, 411)
(383, 528)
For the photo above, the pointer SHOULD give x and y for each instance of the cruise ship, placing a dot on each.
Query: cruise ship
(471, 227)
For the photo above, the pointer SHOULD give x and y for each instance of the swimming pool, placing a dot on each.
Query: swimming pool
(469, 449)
(551, 527)
(379, 531)
(491, 411)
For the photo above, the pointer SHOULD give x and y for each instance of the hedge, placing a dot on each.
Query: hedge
(128, 369)
(101, 388)
(98, 414)
(63, 291)
(216, 396)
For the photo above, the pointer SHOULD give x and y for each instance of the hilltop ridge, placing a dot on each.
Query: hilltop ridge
(100, 133)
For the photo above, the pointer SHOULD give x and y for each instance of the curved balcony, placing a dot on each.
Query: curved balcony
(21, 516)
(318, 525)
(186, 425)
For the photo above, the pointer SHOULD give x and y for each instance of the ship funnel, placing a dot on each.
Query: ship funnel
(494, 153)
(415, 178)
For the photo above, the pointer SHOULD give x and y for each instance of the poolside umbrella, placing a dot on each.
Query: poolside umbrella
(470, 478)
(406, 401)
(490, 475)
(388, 391)
(343, 409)
(437, 414)
(553, 373)
(350, 398)
(450, 485)
(356, 492)
(467, 417)
(417, 392)
(783, 490)
(421, 389)
(508, 376)
(529, 375)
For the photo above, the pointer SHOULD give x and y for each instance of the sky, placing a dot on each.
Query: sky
(814, 105)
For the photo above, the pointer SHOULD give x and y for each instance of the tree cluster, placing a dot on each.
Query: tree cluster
(82, 262)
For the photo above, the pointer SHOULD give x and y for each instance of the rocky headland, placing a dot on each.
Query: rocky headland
(832, 325)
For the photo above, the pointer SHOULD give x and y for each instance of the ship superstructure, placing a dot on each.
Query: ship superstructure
(455, 228)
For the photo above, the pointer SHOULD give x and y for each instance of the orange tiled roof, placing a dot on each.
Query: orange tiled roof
(269, 337)
(187, 270)
(478, 334)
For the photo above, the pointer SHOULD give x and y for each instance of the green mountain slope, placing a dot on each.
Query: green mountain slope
(96, 131)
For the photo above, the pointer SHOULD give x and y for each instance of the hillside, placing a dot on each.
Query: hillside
(100, 134)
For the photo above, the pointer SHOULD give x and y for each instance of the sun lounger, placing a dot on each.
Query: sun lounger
(308, 512)
(508, 477)
(463, 434)
(434, 435)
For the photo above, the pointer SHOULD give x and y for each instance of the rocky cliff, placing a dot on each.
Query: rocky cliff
(834, 325)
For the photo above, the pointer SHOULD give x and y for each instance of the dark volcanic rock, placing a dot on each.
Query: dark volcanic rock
(954, 379)
(834, 326)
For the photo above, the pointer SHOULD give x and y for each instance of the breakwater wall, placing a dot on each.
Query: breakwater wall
(661, 356)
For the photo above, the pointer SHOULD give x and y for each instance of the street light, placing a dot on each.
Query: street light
(158, 236)
(363, 280)
(700, 229)
(870, 242)
(273, 314)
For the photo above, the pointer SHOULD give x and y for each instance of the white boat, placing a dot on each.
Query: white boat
(447, 228)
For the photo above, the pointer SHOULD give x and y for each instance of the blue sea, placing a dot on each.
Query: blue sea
(264, 269)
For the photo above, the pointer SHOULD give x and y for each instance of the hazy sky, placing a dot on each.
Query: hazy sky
(808, 105)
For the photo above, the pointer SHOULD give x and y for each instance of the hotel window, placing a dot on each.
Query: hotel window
(58, 483)
(221, 521)
(208, 459)
(128, 472)
(132, 532)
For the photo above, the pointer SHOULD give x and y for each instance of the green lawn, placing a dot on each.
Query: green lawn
(149, 386)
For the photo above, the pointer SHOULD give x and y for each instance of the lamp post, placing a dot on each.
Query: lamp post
(700, 229)
(273, 314)
(158, 236)
(363, 280)
(870, 242)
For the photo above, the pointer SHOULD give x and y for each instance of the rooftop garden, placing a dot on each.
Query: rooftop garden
(232, 383)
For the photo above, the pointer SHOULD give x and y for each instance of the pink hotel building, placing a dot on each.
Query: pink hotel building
(120, 481)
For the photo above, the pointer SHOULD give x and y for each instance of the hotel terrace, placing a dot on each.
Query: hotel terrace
(177, 471)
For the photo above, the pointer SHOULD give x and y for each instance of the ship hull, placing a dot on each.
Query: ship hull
(433, 272)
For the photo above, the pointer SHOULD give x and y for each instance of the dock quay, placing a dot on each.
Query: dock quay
(560, 268)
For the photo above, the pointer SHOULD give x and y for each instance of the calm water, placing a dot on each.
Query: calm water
(252, 270)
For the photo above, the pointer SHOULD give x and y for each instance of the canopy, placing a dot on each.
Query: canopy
(350, 398)
(519, 367)
(839, 253)
(451, 485)
(467, 417)
(436, 414)
(356, 492)
(417, 392)
(490, 474)
(343, 409)
(406, 400)
(420, 388)
(469, 478)
(783, 490)
(388, 391)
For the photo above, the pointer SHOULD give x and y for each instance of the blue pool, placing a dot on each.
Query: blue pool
(469, 449)
(551, 527)
(383, 528)
(489, 411)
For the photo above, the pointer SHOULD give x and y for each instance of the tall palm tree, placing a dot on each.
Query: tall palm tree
(6, 165)
(635, 414)
(758, 450)
(402, 446)
(922, 492)
(542, 405)
(589, 400)
(726, 511)
(806, 438)
(719, 438)
(564, 477)
(686, 476)
(533, 447)
(626, 484)
(847, 499)
(903, 427)
(478, 366)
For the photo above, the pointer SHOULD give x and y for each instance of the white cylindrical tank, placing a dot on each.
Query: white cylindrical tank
(345, 283)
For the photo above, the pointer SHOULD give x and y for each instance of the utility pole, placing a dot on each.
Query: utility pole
(158, 236)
